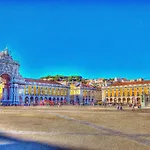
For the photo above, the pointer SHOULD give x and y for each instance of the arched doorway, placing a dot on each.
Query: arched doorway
(138, 100)
(36, 100)
(54, 100)
(124, 100)
(4, 87)
(31, 100)
(115, 101)
(111, 100)
(128, 101)
(41, 98)
(57, 100)
(119, 100)
(26, 101)
(61, 100)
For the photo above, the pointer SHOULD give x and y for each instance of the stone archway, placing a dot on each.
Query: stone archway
(124, 100)
(31, 100)
(26, 101)
(119, 100)
(61, 100)
(128, 101)
(111, 100)
(41, 98)
(36, 100)
(4, 87)
(57, 100)
(138, 100)
(54, 100)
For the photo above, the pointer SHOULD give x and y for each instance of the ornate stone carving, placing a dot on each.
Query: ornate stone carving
(9, 66)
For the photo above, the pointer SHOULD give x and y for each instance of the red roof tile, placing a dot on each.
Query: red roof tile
(87, 85)
(130, 83)
(41, 81)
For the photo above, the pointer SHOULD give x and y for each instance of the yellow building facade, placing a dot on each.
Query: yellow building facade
(38, 90)
(126, 92)
(82, 94)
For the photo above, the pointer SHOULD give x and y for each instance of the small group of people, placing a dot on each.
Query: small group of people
(119, 107)
(134, 105)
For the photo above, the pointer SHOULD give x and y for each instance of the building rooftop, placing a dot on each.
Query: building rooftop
(131, 83)
(41, 81)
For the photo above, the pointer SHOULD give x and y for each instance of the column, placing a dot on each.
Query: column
(5, 93)
(103, 94)
(81, 96)
(68, 95)
(11, 94)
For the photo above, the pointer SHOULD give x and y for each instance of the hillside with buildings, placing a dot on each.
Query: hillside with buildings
(99, 82)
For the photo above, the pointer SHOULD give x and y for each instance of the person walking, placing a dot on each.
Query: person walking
(132, 106)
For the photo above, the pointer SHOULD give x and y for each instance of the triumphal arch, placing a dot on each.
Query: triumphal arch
(11, 82)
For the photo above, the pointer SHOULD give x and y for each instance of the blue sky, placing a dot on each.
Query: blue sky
(89, 38)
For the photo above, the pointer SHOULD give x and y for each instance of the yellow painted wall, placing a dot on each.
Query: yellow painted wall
(108, 93)
(140, 90)
(121, 92)
(117, 92)
(48, 91)
(65, 92)
(53, 91)
(39, 90)
(43, 90)
(34, 90)
(113, 92)
(126, 91)
(135, 91)
(29, 89)
(130, 91)
(104, 93)
(145, 90)
(58, 92)
(1, 91)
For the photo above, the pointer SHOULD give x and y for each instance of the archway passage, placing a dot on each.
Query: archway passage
(4, 87)
(128, 100)
(138, 100)
(119, 100)
(124, 100)
(26, 100)
(36, 100)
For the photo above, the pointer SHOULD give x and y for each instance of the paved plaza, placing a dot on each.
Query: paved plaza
(72, 127)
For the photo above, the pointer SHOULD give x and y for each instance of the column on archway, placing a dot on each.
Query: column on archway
(17, 93)
(81, 96)
(5, 92)
(11, 94)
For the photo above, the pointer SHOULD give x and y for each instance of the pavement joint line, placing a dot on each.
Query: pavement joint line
(51, 133)
(111, 131)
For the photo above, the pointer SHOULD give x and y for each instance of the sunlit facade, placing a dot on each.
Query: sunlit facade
(81, 93)
(127, 92)
(14, 89)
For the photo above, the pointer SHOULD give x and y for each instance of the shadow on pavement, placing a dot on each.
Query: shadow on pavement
(10, 143)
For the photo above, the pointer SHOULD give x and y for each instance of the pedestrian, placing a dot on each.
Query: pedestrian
(120, 108)
(132, 106)
(117, 107)
(139, 105)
